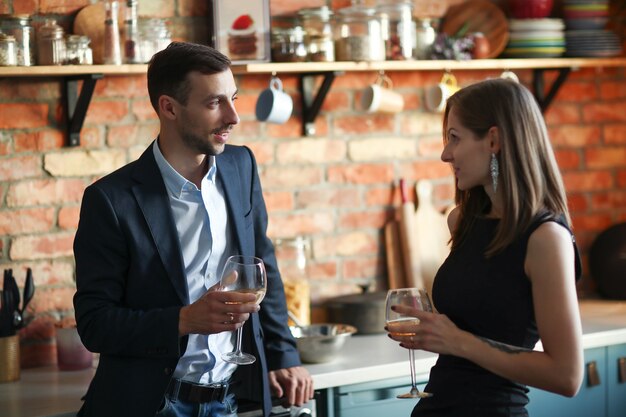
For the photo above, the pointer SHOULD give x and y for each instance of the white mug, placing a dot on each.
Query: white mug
(437, 96)
(273, 104)
(379, 97)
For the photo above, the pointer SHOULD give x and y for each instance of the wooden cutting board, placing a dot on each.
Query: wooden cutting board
(431, 233)
(393, 249)
(90, 22)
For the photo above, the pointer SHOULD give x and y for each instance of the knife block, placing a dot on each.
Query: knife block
(9, 358)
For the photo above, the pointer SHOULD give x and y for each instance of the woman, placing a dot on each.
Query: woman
(510, 276)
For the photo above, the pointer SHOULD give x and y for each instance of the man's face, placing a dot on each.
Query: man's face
(205, 122)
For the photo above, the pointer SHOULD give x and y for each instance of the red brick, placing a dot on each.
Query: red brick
(53, 299)
(46, 272)
(20, 167)
(42, 246)
(278, 201)
(106, 111)
(16, 222)
(68, 217)
(4, 8)
(578, 91)
(363, 268)
(615, 134)
(361, 174)
(44, 192)
(327, 198)
(561, 113)
(291, 129)
(300, 224)
(605, 157)
(610, 90)
(587, 181)
(277, 176)
(38, 90)
(352, 243)
(592, 222)
(364, 124)
(363, 219)
(142, 110)
(263, 151)
(567, 159)
(621, 178)
(5, 145)
(609, 200)
(122, 86)
(43, 140)
(61, 6)
(577, 203)
(254, 82)
(604, 112)
(91, 137)
(353, 80)
(575, 135)
(322, 270)
(193, 8)
(20, 115)
(336, 101)
(416, 170)
(381, 196)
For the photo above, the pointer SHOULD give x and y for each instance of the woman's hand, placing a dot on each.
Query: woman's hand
(435, 332)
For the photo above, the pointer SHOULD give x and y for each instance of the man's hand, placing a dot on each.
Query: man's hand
(293, 385)
(216, 311)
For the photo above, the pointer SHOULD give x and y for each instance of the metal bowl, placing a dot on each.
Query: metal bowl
(318, 343)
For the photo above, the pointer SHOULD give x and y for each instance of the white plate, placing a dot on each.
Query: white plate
(516, 25)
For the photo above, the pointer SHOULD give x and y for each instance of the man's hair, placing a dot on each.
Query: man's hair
(168, 69)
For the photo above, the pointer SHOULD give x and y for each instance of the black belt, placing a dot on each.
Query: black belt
(196, 393)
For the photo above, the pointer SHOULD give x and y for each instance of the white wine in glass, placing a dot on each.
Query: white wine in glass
(244, 274)
(415, 298)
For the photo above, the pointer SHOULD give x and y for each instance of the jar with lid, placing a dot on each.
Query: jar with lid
(288, 44)
(8, 55)
(425, 35)
(154, 36)
(358, 34)
(318, 33)
(398, 28)
(19, 26)
(77, 50)
(293, 256)
(50, 44)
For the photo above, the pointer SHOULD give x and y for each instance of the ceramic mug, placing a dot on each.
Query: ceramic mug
(273, 104)
(379, 97)
(437, 96)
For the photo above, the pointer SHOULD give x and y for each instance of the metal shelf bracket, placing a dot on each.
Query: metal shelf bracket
(76, 104)
(311, 105)
(544, 99)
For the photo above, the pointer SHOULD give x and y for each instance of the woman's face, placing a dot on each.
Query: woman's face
(468, 154)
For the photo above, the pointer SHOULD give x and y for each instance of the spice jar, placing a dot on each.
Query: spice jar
(77, 50)
(19, 26)
(112, 53)
(425, 35)
(318, 33)
(288, 44)
(8, 55)
(293, 256)
(398, 29)
(50, 44)
(358, 34)
(154, 37)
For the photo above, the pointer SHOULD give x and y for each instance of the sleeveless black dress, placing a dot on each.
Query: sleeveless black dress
(490, 298)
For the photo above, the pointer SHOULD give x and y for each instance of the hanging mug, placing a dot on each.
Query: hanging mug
(273, 104)
(437, 96)
(379, 97)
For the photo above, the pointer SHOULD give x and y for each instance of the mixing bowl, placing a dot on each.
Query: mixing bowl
(318, 343)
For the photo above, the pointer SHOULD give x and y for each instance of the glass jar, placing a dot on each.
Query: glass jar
(318, 34)
(132, 53)
(358, 35)
(50, 44)
(154, 36)
(19, 26)
(112, 54)
(288, 45)
(77, 50)
(8, 54)
(398, 29)
(425, 35)
(293, 256)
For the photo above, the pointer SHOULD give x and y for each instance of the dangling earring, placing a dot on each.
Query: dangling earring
(494, 169)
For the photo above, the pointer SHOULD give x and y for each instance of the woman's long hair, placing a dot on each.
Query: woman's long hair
(529, 178)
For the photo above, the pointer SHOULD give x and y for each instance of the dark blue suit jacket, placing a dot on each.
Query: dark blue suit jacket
(131, 285)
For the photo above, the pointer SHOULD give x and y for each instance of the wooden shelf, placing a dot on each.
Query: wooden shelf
(319, 67)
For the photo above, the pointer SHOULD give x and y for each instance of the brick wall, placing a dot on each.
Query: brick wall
(335, 187)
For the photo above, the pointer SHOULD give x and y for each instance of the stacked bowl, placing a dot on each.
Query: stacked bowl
(586, 14)
(535, 38)
(586, 35)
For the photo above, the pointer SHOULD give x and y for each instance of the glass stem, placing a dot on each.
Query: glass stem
(412, 365)
(239, 332)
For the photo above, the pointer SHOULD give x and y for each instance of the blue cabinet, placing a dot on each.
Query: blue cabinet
(616, 380)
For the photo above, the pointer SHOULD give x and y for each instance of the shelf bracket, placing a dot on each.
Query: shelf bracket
(76, 104)
(311, 105)
(543, 99)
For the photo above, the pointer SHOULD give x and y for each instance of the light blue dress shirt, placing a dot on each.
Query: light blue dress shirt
(205, 238)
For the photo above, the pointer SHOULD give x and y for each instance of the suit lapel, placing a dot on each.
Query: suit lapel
(229, 176)
(152, 199)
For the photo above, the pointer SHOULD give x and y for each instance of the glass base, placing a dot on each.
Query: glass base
(239, 358)
(415, 395)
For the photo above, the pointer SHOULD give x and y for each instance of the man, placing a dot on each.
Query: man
(151, 242)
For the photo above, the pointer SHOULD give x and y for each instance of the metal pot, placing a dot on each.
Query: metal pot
(364, 311)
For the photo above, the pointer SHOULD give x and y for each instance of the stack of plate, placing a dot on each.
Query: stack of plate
(535, 38)
(592, 43)
(586, 14)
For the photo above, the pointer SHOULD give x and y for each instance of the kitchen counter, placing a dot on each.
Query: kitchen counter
(49, 392)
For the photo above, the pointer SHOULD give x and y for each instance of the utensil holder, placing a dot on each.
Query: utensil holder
(9, 358)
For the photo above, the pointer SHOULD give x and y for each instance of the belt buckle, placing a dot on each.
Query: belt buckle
(220, 390)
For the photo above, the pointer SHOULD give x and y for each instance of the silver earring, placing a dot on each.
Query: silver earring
(494, 169)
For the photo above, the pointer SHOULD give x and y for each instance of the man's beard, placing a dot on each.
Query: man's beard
(201, 144)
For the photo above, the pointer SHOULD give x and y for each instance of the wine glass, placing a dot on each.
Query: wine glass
(412, 297)
(245, 274)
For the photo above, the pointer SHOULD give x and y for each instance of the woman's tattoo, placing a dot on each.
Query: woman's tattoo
(503, 346)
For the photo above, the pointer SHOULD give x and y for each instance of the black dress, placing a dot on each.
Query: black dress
(491, 298)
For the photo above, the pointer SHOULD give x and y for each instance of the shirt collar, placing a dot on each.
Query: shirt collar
(174, 182)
